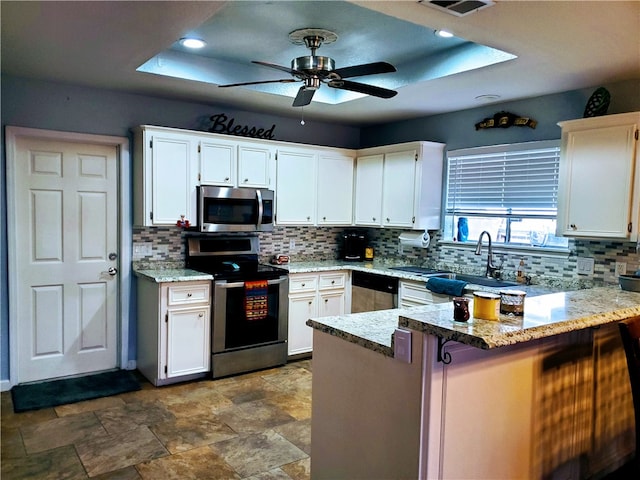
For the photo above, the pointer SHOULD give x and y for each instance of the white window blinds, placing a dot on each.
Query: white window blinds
(504, 180)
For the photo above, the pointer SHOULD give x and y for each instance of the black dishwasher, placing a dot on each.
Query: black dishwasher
(370, 292)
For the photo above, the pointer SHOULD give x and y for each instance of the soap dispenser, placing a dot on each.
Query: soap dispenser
(520, 277)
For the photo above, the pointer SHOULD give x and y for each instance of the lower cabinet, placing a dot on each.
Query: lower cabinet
(173, 330)
(413, 294)
(313, 295)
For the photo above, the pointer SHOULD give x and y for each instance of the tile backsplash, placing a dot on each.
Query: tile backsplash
(168, 245)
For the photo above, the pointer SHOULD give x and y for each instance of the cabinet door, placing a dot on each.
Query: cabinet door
(368, 196)
(596, 182)
(188, 345)
(335, 190)
(398, 189)
(254, 166)
(301, 308)
(173, 178)
(218, 163)
(331, 303)
(296, 187)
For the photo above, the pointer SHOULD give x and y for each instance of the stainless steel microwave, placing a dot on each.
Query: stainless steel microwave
(224, 209)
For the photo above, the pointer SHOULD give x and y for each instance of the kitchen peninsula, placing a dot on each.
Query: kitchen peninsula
(536, 396)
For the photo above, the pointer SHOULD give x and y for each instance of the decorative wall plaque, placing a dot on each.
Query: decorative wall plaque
(506, 120)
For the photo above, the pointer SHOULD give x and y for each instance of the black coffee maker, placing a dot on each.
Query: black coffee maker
(353, 246)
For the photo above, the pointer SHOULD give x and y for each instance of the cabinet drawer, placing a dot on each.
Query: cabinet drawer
(328, 281)
(188, 294)
(417, 294)
(303, 283)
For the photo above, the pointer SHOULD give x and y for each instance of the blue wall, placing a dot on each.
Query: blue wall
(457, 129)
(35, 104)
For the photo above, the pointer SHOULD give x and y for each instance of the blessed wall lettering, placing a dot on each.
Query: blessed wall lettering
(224, 124)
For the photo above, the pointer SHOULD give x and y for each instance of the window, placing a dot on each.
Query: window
(509, 190)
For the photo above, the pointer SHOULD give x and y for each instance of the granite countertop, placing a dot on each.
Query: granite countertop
(165, 275)
(386, 268)
(545, 315)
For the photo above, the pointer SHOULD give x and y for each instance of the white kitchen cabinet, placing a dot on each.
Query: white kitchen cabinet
(165, 175)
(413, 294)
(173, 330)
(368, 190)
(296, 187)
(314, 186)
(235, 163)
(218, 162)
(335, 189)
(313, 295)
(255, 165)
(599, 178)
(399, 186)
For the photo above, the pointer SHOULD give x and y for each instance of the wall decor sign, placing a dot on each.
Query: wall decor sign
(223, 124)
(506, 120)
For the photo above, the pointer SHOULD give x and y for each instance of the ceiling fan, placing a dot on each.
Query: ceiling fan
(315, 70)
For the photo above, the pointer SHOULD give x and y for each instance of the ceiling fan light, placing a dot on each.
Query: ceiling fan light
(192, 42)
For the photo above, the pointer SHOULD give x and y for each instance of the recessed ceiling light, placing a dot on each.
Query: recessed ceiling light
(443, 34)
(487, 98)
(192, 42)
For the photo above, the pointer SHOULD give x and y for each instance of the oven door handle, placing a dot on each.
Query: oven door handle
(241, 284)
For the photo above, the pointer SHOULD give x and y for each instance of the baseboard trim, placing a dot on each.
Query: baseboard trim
(5, 385)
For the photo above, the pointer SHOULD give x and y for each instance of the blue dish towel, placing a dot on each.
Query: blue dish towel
(446, 286)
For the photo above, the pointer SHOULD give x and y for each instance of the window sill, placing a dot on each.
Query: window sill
(501, 248)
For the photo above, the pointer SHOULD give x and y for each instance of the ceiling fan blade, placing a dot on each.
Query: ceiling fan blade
(365, 69)
(362, 88)
(291, 71)
(303, 97)
(283, 80)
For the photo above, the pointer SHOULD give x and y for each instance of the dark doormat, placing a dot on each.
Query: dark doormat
(71, 390)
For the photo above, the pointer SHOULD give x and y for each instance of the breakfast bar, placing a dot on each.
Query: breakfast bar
(530, 396)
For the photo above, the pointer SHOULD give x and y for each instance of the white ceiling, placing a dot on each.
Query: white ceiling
(559, 45)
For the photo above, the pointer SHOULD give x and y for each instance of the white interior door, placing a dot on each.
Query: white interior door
(66, 206)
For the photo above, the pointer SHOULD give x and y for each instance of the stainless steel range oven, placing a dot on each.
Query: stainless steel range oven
(250, 303)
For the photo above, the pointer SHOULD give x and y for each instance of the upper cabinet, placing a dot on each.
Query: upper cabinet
(296, 186)
(165, 175)
(314, 186)
(599, 178)
(399, 186)
(335, 188)
(392, 186)
(368, 190)
(235, 163)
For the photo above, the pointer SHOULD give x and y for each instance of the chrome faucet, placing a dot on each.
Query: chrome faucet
(491, 268)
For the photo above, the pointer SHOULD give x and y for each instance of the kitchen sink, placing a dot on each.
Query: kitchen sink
(475, 279)
(480, 280)
(422, 271)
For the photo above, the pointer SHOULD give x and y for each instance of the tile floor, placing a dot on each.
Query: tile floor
(254, 426)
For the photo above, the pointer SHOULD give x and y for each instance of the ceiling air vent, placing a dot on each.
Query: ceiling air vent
(458, 8)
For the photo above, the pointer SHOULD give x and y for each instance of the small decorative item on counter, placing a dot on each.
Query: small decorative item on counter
(280, 259)
(520, 276)
(460, 309)
(463, 229)
(486, 305)
(512, 302)
(368, 253)
(183, 222)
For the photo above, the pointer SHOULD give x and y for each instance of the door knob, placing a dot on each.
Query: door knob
(112, 271)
